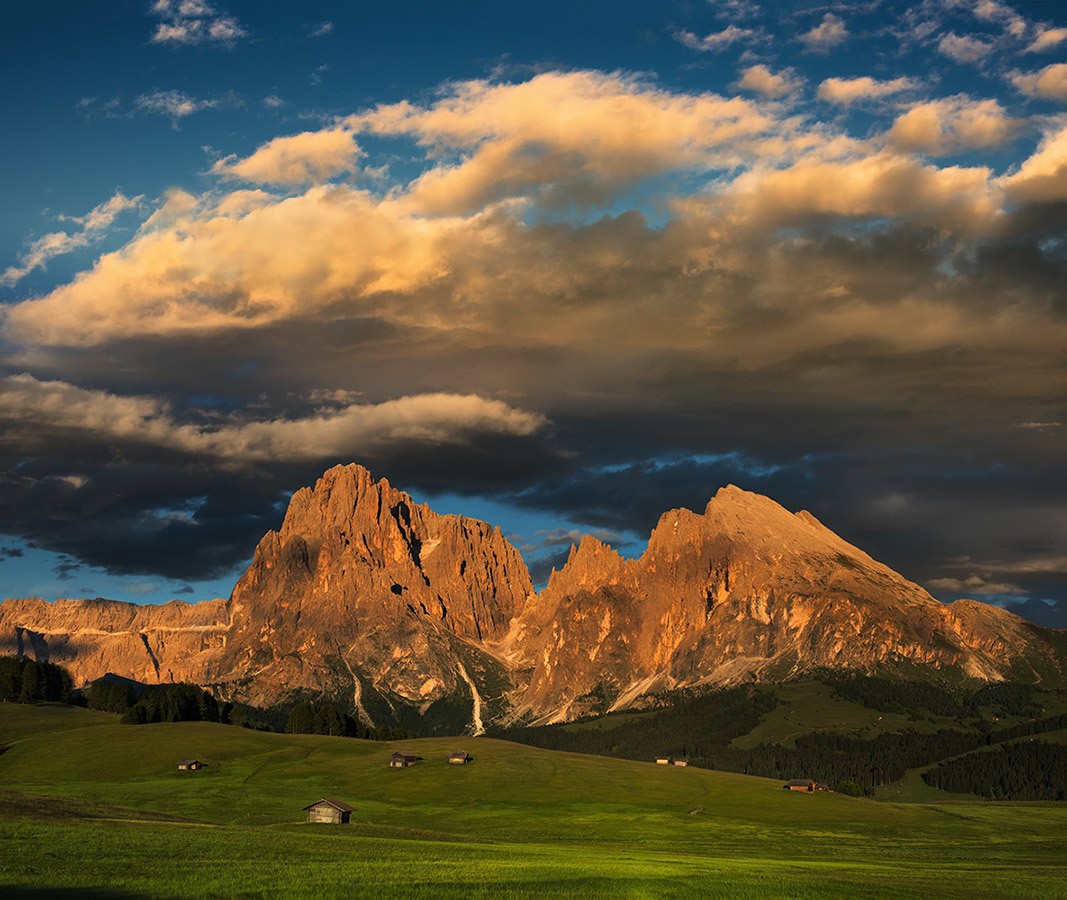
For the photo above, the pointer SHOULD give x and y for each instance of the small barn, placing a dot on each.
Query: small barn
(460, 758)
(663, 760)
(807, 785)
(330, 811)
(189, 765)
(681, 761)
(402, 760)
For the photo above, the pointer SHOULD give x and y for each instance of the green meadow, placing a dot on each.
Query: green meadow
(89, 807)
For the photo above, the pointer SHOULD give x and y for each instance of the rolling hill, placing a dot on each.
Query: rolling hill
(91, 805)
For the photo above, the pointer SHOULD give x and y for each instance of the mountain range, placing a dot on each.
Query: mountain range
(365, 598)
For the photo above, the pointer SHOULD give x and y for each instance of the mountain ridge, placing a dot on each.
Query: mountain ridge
(366, 598)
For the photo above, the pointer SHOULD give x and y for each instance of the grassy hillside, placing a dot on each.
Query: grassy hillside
(90, 804)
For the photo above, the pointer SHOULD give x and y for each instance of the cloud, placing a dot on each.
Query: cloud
(580, 134)
(1043, 177)
(313, 156)
(883, 184)
(1047, 38)
(93, 226)
(965, 49)
(758, 79)
(193, 22)
(67, 568)
(421, 253)
(175, 105)
(716, 41)
(198, 268)
(320, 30)
(991, 11)
(1049, 83)
(976, 586)
(826, 35)
(59, 407)
(11, 553)
(953, 124)
(846, 91)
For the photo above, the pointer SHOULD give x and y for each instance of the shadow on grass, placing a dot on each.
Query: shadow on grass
(29, 893)
(15, 805)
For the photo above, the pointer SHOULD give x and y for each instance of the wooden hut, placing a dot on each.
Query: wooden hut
(681, 761)
(402, 760)
(460, 758)
(189, 765)
(663, 760)
(807, 785)
(330, 811)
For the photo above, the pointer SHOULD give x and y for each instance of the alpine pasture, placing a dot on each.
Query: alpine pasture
(95, 808)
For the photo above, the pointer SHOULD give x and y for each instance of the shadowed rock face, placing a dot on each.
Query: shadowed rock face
(367, 598)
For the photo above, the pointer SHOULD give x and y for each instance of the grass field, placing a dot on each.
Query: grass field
(97, 808)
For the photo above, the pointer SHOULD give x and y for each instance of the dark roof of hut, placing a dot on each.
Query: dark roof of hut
(336, 804)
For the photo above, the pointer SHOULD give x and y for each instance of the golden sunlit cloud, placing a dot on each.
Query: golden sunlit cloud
(295, 160)
(953, 124)
(456, 251)
(1043, 177)
(846, 91)
(439, 418)
(1049, 82)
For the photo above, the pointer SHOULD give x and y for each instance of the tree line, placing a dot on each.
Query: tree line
(25, 680)
(324, 718)
(1030, 770)
(907, 697)
(694, 726)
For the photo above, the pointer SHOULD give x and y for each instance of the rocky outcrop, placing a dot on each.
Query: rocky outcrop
(746, 590)
(362, 588)
(366, 598)
(153, 644)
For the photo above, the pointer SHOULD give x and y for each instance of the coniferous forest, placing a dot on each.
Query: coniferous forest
(323, 718)
(1029, 770)
(28, 681)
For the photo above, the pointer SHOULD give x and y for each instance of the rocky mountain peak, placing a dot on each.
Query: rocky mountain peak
(369, 599)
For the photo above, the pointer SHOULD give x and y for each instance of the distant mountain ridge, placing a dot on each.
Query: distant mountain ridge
(371, 600)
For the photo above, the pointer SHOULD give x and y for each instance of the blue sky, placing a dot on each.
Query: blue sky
(562, 268)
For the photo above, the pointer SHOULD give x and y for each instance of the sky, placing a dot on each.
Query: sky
(559, 266)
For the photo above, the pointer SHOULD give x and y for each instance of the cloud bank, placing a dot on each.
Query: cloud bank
(586, 293)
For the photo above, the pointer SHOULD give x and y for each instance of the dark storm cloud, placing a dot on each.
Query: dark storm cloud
(66, 569)
(141, 517)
